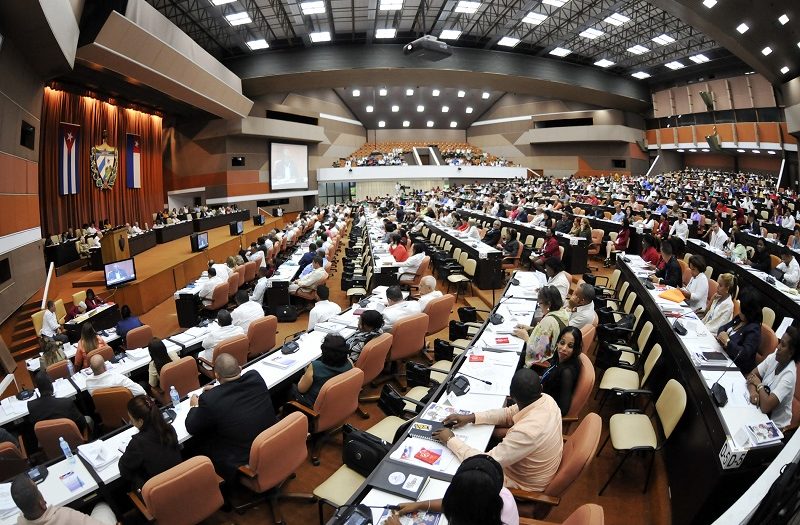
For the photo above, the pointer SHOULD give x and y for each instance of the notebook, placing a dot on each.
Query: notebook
(400, 479)
(424, 429)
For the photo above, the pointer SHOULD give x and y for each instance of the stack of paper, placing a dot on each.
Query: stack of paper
(138, 353)
(196, 331)
(7, 506)
(182, 338)
(98, 454)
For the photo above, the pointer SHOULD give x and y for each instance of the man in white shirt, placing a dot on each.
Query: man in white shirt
(221, 330)
(718, 237)
(312, 279)
(323, 309)
(408, 268)
(101, 378)
(223, 271)
(51, 329)
(397, 308)
(581, 306)
(246, 311)
(680, 228)
(789, 269)
(254, 254)
(261, 286)
(427, 292)
(207, 286)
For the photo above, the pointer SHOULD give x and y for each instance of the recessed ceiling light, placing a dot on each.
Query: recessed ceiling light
(485, 95)
(257, 44)
(604, 63)
(555, 3)
(705, 150)
(680, 151)
(699, 59)
(469, 8)
(508, 41)
(237, 19)
(461, 93)
(445, 109)
(390, 5)
(534, 18)
(663, 40)
(641, 75)
(449, 34)
(709, 3)
(420, 108)
(560, 52)
(406, 123)
(453, 124)
(785, 69)
(383, 92)
(370, 109)
(755, 151)
(617, 19)
(675, 65)
(409, 92)
(469, 109)
(783, 19)
(591, 33)
(321, 36)
(429, 123)
(798, 44)
(395, 109)
(638, 50)
(356, 92)
(385, 33)
(221, 2)
(750, 73)
(312, 8)
(435, 92)
(693, 150)
(771, 152)
(766, 51)
(740, 151)
(381, 123)
(742, 28)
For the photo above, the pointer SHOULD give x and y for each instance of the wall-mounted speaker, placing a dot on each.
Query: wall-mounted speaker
(714, 144)
(708, 99)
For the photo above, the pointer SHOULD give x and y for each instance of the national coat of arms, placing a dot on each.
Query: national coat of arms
(103, 161)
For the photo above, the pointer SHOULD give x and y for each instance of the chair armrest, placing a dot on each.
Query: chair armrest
(626, 366)
(294, 406)
(534, 497)
(531, 521)
(137, 501)
(509, 259)
(413, 274)
(569, 420)
(247, 471)
(625, 349)
(205, 361)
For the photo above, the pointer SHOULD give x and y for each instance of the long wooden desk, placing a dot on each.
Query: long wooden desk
(207, 223)
(488, 273)
(170, 232)
(142, 242)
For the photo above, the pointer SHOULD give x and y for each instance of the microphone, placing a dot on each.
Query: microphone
(494, 318)
(292, 346)
(357, 513)
(718, 393)
(461, 373)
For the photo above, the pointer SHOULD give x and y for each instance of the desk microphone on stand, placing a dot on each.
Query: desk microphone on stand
(718, 392)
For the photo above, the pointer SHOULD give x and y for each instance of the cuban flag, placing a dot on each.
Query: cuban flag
(68, 146)
(134, 162)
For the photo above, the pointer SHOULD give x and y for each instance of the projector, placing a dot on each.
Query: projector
(428, 48)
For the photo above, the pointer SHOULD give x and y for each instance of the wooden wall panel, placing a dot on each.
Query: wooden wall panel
(725, 132)
(722, 94)
(651, 135)
(760, 162)
(769, 132)
(20, 212)
(763, 93)
(746, 132)
(685, 134)
(709, 160)
(740, 93)
(667, 136)
(681, 97)
(787, 138)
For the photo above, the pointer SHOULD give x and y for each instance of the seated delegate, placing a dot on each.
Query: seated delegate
(771, 384)
(541, 342)
(741, 337)
(332, 363)
(559, 380)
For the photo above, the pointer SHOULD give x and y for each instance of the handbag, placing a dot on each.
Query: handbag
(442, 350)
(286, 313)
(467, 314)
(362, 451)
(458, 330)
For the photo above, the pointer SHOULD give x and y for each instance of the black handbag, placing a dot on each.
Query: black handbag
(467, 314)
(442, 350)
(458, 330)
(362, 451)
(286, 313)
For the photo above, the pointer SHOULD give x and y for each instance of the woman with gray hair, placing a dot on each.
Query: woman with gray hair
(541, 339)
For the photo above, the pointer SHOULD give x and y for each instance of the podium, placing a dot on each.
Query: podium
(114, 245)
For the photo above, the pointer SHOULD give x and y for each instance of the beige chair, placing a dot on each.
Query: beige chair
(61, 311)
(261, 335)
(372, 361)
(139, 337)
(112, 406)
(587, 514)
(49, 430)
(237, 346)
(634, 432)
(768, 317)
(438, 311)
(182, 374)
(622, 381)
(468, 276)
(631, 354)
(79, 297)
(193, 483)
(37, 318)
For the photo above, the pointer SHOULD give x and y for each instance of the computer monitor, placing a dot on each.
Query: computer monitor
(236, 227)
(199, 241)
(119, 273)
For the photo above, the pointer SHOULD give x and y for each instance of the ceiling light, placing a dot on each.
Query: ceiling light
(370, 109)
(312, 8)
(508, 41)
(740, 150)
(750, 73)
(641, 75)
(617, 19)
(783, 19)
(771, 152)
(755, 151)
(385, 33)
(322, 36)
(469, 109)
(663, 39)
(356, 92)
(449, 34)
(257, 44)
(742, 28)
(420, 109)
(485, 95)
(798, 44)
(390, 5)
(429, 123)
(699, 59)
(692, 150)
(675, 65)
(469, 8)
(461, 93)
(221, 2)
(555, 3)
(409, 92)
(395, 109)
(445, 109)
(534, 18)
(604, 63)
(638, 50)
(591, 33)
(435, 92)
(785, 69)
(560, 52)
(237, 19)
(705, 150)
(381, 123)
(680, 151)
(406, 123)
(454, 124)
(766, 51)
(709, 3)
(383, 92)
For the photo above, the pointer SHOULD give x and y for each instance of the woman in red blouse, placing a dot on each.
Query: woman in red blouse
(621, 244)
(649, 250)
(663, 227)
(549, 249)
(397, 249)
(92, 301)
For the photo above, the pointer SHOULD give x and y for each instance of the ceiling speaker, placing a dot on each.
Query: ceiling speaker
(708, 98)
(714, 143)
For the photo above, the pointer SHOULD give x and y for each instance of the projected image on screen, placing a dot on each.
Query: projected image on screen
(119, 272)
(289, 166)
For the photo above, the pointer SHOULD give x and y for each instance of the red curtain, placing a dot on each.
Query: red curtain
(91, 204)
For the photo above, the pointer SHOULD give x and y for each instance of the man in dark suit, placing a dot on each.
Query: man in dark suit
(226, 419)
(48, 406)
(492, 236)
(671, 275)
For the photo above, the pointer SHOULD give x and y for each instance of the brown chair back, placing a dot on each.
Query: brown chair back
(233, 285)
(49, 430)
(373, 356)
(768, 344)
(219, 298)
(139, 337)
(438, 311)
(796, 402)
(423, 268)
(774, 261)
(712, 290)
(408, 336)
(240, 272)
(586, 514)
(584, 385)
(237, 346)
(112, 405)
(261, 335)
(193, 483)
(250, 269)
(277, 452)
(338, 399)
(12, 461)
(58, 370)
(579, 449)
(106, 351)
(182, 374)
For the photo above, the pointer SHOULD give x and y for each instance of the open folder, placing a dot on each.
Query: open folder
(673, 294)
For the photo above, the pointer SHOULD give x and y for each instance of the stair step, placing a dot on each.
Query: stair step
(23, 333)
(23, 343)
(26, 353)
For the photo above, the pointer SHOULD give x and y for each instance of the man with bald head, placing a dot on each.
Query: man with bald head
(102, 378)
(427, 291)
(225, 419)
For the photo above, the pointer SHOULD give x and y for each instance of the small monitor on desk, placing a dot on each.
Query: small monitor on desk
(119, 273)
(236, 227)
(199, 241)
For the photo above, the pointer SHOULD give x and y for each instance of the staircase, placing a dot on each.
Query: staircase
(19, 333)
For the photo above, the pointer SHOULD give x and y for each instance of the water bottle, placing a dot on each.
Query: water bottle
(173, 395)
(70, 368)
(66, 450)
